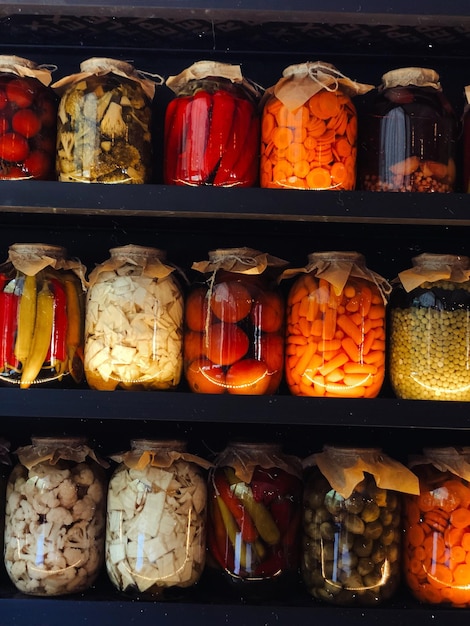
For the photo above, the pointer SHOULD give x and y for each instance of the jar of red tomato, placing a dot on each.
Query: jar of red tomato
(212, 127)
(335, 341)
(437, 528)
(234, 324)
(351, 552)
(28, 120)
(254, 516)
(42, 303)
(309, 129)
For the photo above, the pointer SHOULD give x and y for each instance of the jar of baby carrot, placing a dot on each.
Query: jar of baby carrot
(309, 129)
(409, 135)
(437, 528)
(335, 340)
(351, 549)
(429, 355)
(212, 127)
(234, 324)
(254, 517)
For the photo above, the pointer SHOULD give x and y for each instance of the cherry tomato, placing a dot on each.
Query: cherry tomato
(37, 164)
(13, 147)
(19, 92)
(26, 123)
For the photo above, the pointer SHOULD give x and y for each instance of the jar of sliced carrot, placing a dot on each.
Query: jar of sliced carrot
(429, 354)
(437, 528)
(212, 127)
(409, 135)
(351, 549)
(254, 517)
(234, 324)
(309, 129)
(335, 339)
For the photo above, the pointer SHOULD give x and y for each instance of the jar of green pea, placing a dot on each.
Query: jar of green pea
(429, 353)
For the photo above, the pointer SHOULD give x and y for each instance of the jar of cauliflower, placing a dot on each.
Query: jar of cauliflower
(104, 124)
(134, 322)
(156, 519)
(55, 517)
(430, 329)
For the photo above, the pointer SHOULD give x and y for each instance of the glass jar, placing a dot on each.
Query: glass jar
(309, 129)
(234, 324)
(156, 519)
(437, 528)
(104, 124)
(134, 322)
(5, 469)
(429, 353)
(55, 517)
(351, 550)
(466, 141)
(409, 135)
(42, 303)
(335, 341)
(254, 517)
(212, 127)
(28, 120)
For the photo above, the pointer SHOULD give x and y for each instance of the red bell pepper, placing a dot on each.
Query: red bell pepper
(58, 348)
(223, 108)
(8, 320)
(174, 137)
(196, 139)
(240, 514)
(246, 170)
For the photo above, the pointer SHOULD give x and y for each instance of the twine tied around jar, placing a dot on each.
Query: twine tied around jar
(239, 260)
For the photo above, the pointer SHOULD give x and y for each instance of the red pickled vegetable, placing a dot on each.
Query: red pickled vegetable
(223, 108)
(199, 110)
(8, 321)
(236, 139)
(240, 514)
(58, 349)
(174, 127)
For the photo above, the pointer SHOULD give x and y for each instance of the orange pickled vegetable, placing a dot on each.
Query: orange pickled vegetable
(318, 139)
(331, 358)
(437, 542)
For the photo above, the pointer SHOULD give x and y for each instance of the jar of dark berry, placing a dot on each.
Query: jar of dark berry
(409, 135)
(28, 120)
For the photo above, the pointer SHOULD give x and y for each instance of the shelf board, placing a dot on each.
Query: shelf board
(211, 203)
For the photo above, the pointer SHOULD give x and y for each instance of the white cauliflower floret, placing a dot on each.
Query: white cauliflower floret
(67, 493)
(84, 509)
(76, 535)
(83, 475)
(74, 557)
(96, 492)
(60, 516)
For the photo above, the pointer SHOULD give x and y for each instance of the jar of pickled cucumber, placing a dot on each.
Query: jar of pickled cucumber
(234, 324)
(309, 129)
(335, 341)
(351, 552)
(134, 322)
(55, 517)
(409, 135)
(156, 519)
(28, 120)
(430, 329)
(436, 553)
(104, 132)
(212, 127)
(254, 517)
(42, 310)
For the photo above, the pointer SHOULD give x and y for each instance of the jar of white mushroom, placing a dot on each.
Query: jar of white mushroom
(55, 517)
(156, 519)
(134, 322)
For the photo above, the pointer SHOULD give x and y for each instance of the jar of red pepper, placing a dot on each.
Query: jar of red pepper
(212, 127)
(42, 316)
(437, 528)
(254, 516)
(28, 120)
(234, 324)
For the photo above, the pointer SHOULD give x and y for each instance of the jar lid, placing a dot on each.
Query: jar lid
(41, 249)
(100, 64)
(414, 76)
(135, 251)
(431, 260)
(158, 444)
(11, 61)
(59, 441)
(337, 255)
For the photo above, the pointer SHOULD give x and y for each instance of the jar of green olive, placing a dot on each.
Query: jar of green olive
(351, 525)
(430, 329)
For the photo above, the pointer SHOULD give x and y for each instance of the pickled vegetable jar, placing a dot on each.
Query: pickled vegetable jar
(42, 303)
(429, 353)
(55, 517)
(29, 120)
(335, 341)
(309, 129)
(351, 550)
(466, 141)
(212, 127)
(104, 124)
(254, 510)
(409, 135)
(156, 519)
(437, 528)
(234, 324)
(134, 322)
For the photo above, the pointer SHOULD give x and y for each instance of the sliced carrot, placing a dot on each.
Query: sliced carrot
(460, 518)
(415, 535)
(268, 123)
(282, 137)
(462, 574)
(318, 178)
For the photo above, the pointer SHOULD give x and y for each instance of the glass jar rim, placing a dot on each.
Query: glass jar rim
(55, 251)
(136, 251)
